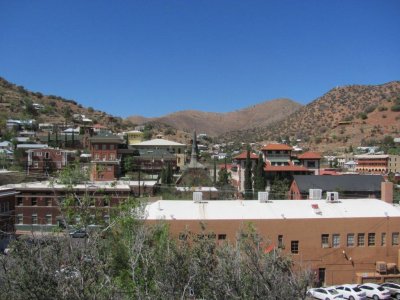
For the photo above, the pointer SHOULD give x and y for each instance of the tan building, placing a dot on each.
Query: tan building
(134, 137)
(394, 164)
(372, 164)
(340, 241)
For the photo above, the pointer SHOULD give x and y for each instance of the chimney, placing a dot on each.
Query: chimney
(387, 192)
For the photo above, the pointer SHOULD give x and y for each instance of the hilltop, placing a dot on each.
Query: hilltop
(348, 115)
(213, 123)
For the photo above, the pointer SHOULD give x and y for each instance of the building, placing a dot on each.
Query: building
(279, 162)
(105, 159)
(372, 164)
(311, 160)
(134, 137)
(340, 241)
(394, 164)
(238, 169)
(48, 160)
(348, 186)
(174, 148)
(7, 213)
(37, 204)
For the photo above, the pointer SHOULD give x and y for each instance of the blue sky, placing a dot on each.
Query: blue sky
(155, 57)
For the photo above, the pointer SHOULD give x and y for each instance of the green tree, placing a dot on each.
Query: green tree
(279, 189)
(259, 175)
(248, 180)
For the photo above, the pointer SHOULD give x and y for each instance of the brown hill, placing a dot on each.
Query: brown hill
(217, 123)
(349, 115)
(15, 102)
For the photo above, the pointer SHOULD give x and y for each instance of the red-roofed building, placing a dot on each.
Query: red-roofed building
(311, 160)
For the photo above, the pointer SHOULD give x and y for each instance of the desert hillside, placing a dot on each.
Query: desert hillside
(218, 123)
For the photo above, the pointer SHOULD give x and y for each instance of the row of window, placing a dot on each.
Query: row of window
(104, 146)
(111, 156)
(359, 240)
(48, 201)
(34, 201)
(48, 219)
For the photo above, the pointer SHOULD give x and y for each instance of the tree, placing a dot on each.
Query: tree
(259, 175)
(248, 181)
(279, 189)
(128, 164)
(167, 174)
(215, 171)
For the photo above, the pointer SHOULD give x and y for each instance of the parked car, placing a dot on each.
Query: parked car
(328, 293)
(394, 289)
(78, 233)
(352, 292)
(375, 291)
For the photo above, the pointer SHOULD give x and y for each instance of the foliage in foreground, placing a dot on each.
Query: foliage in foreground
(132, 260)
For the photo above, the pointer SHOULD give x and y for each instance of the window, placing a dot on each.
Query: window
(350, 240)
(96, 147)
(20, 219)
(59, 165)
(34, 201)
(280, 242)
(325, 240)
(34, 219)
(36, 164)
(48, 201)
(106, 202)
(111, 147)
(46, 155)
(49, 219)
(97, 156)
(19, 201)
(371, 239)
(109, 169)
(294, 247)
(335, 240)
(104, 147)
(39, 153)
(395, 239)
(383, 239)
(222, 236)
(112, 156)
(361, 240)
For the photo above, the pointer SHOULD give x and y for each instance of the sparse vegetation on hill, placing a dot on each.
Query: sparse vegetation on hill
(343, 116)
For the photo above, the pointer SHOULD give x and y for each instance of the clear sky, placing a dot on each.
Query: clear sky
(155, 57)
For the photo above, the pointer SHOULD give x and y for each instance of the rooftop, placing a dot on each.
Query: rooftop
(277, 147)
(274, 210)
(310, 155)
(158, 142)
(243, 155)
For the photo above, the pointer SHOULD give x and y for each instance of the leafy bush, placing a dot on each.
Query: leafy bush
(395, 107)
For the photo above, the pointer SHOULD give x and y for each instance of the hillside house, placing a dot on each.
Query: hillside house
(372, 164)
(105, 158)
(279, 162)
(311, 160)
(48, 160)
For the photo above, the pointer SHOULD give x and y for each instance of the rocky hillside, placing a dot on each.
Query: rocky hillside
(343, 116)
(17, 102)
(217, 123)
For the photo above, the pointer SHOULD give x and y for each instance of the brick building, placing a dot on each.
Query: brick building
(105, 158)
(48, 160)
(340, 241)
(372, 164)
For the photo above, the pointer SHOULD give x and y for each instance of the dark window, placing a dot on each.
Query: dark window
(280, 242)
(325, 240)
(350, 240)
(222, 236)
(19, 201)
(294, 247)
(371, 239)
(395, 238)
(34, 201)
(361, 240)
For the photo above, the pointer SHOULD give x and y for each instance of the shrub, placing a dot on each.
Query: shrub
(395, 107)
(370, 108)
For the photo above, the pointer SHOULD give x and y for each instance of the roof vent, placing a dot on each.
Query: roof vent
(315, 194)
(197, 197)
(316, 209)
(332, 197)
(263, 197)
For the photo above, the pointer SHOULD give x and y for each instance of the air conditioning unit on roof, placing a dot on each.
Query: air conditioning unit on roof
(263, 197)
(197, 197)
(332, 196)
(315, 194)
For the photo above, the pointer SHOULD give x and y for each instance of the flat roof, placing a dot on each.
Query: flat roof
(274, 210)
(158, 142)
